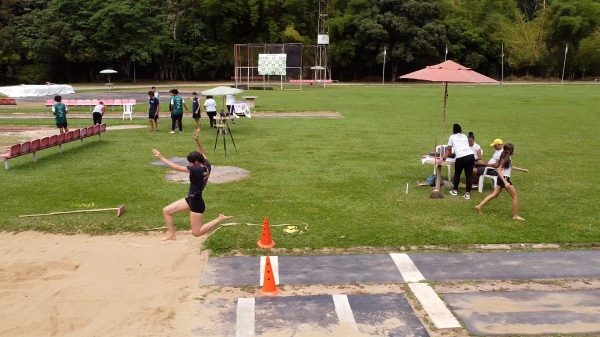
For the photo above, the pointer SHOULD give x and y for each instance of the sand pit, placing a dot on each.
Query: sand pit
(76, 285)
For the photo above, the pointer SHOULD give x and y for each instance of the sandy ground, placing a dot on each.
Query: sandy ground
(121, 285)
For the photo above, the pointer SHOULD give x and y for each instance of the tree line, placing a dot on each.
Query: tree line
(71, 40)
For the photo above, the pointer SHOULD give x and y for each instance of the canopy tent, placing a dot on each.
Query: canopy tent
(25, 90)
(447, 71)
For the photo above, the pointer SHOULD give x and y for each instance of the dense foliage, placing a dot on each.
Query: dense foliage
(71, 40)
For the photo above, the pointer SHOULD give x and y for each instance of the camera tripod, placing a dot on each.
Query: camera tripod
(223, 129)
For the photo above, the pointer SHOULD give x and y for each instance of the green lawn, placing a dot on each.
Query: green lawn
(345, 178)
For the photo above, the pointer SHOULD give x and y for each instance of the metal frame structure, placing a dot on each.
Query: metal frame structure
(245, 59)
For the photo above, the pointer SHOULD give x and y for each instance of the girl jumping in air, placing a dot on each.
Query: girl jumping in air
(199, 170)
(504, 171)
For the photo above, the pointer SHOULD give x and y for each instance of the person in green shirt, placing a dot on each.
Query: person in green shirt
(59, 110)
(176, 107)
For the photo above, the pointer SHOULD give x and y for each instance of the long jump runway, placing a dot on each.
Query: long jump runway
(482, 313)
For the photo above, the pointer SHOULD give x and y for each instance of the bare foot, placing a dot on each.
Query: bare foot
(169, 237)
(478, 208)
(518, 218)
(223, 217)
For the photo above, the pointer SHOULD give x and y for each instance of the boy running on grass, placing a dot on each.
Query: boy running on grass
(59, 110)
(199, 169)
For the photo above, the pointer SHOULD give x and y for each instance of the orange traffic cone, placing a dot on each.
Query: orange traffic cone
(265, 238)
(269, 287)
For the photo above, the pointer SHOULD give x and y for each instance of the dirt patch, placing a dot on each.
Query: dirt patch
(218, 175)
(10, 135)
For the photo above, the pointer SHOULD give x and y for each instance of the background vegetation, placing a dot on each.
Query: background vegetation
(71, 40)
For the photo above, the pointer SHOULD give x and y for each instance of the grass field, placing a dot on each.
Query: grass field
(345, 177)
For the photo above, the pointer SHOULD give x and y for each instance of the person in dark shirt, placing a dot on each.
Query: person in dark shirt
(153, 104)
(199, 169)
(195, 109)
(60, 111)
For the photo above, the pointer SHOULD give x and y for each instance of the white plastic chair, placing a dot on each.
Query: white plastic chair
(128, 111)
(438, 149)
(486, 175)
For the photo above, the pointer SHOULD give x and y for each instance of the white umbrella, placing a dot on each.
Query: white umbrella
(221, 91)
(108, 71)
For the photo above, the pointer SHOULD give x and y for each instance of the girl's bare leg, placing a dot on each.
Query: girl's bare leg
(178, 206)
(489, 198)
(199, 229)
(515, 203)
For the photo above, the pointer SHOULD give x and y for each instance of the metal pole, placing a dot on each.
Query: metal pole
(383, 76)
(564, 63)
(502, 80)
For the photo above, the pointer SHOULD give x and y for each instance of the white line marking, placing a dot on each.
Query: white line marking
(439, 314)
(244, 326)
(344, 311)
(406, 267)
(274, 266)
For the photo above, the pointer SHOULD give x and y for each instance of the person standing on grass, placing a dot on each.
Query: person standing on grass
(196, 109)
(199, 170)
(59, 110)
(153, 104)
(176, 107)
(155, 93)
(98, 112)
(465, 160)
(504, 171)
(211, 110)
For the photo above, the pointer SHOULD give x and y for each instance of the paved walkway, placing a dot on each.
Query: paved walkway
(391, 314)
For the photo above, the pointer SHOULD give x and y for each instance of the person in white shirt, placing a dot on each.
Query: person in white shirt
(98, 112)
(474, 146)
(494, 162)
(505, 168)
(230, 102)
(465, 160)
(211, 110)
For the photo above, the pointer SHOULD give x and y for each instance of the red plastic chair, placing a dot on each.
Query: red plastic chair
(72, 102)
(117, 102)
(25, 148)
(90, 131)
(14, 151)
(60, 138)
(68, 136)
(34, 145)
(79, 102)
(83, 133)
(132, 101)
(102, 127)
(44, 142)
(108, 102)
(48, 103)
(95, 102)
(96, 129)
(52, 140)
(76, 134)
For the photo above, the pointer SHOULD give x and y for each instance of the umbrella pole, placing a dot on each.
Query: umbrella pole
(436, 194)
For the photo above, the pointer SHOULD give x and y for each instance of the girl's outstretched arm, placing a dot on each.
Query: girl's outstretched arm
(196, 139)
(168, 162)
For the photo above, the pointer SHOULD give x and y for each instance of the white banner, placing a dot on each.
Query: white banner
(272, 64)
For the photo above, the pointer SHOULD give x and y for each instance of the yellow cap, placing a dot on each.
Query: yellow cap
(497, 141)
